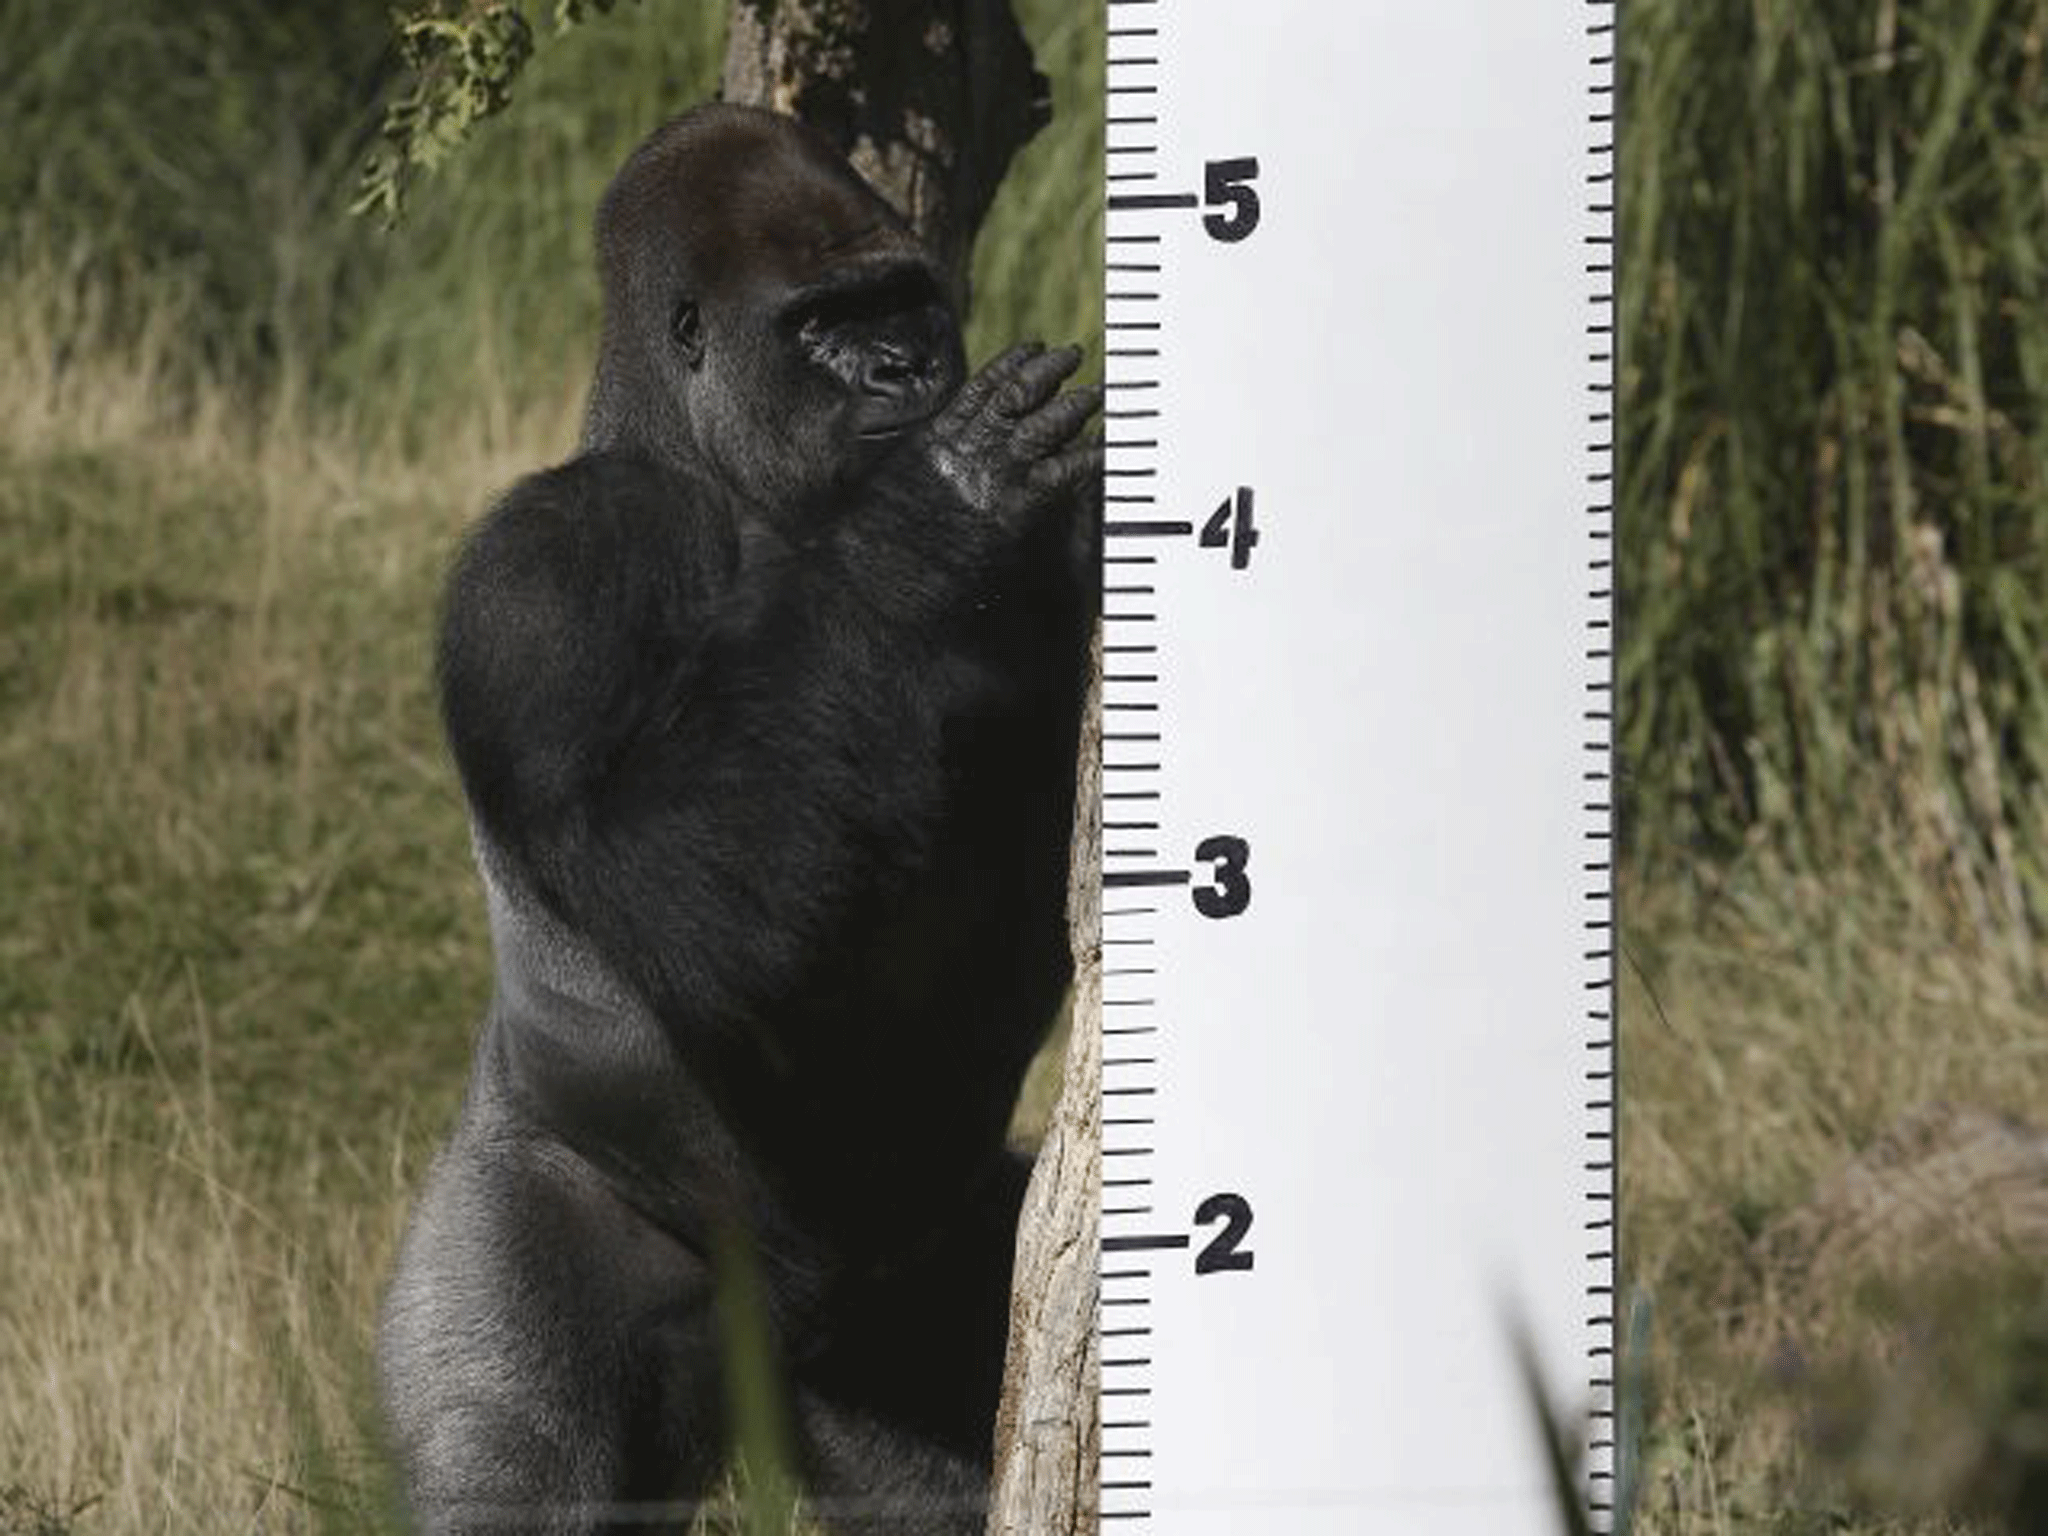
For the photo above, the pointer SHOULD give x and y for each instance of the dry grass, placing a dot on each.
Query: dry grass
(218, 769)
(1836, 1349)
(186, 1340)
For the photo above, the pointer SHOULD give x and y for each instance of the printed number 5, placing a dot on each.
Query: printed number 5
(1230, 182)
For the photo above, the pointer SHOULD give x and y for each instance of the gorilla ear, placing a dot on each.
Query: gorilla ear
(686, 329)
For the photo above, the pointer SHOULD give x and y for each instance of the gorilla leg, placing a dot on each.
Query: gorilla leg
(897, 1416)
(866, 1478)
(535, 1339)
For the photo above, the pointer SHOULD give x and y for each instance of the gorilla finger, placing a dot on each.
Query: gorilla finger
(1037, 380)
(1069, 470)
(976, 393)
(1055, 422)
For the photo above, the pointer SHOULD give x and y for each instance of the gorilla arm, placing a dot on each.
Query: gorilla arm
(663, 721)
(699, 741)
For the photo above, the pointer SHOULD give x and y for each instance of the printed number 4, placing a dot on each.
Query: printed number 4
(1231, 527)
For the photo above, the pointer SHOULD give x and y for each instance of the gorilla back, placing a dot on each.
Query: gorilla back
(765, 707)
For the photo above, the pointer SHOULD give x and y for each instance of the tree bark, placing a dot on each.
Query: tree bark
(929, 99)
(1048, 1430)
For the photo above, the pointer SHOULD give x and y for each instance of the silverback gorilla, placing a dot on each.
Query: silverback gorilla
(765, 706)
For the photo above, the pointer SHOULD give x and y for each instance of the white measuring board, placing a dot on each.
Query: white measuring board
(1358, 940)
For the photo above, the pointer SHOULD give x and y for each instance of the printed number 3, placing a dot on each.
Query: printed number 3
(1229, 890)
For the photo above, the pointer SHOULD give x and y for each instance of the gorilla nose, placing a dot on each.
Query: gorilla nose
(895, 374)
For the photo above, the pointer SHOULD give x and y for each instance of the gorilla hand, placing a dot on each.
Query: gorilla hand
(1005, 444)
(1002, 455)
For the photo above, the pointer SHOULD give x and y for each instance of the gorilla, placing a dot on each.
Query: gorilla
(765, 707)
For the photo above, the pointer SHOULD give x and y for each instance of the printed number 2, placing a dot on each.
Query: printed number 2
(1229, 182)
(1221, 1252)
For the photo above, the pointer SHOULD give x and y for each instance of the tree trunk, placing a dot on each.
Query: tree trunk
(1049, 1431)
(928, 98)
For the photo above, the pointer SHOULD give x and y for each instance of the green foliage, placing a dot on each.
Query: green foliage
(1038, 262)
(201, 150)
(486, 299)
(462, 57)
(1834, 518)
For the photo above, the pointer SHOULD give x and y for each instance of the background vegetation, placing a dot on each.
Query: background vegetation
(239, 945)
(1835, 585)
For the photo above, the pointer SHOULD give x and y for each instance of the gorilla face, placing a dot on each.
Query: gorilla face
(793, 392)
(790, 327)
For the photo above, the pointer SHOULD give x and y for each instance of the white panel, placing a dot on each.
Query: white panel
(1397, 1054)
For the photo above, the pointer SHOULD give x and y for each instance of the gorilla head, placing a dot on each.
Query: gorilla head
(769, 320)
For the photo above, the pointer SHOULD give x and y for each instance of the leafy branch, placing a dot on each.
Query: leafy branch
(461, 57)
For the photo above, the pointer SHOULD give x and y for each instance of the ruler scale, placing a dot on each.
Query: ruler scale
(1358, 961)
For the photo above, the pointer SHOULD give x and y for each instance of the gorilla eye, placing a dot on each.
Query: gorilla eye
(686, 327)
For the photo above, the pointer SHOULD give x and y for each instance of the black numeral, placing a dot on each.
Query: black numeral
(1231, 527)
(1229, 183)
(1221, 1252)
(1229, 890)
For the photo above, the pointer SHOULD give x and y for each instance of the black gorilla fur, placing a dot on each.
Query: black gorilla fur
(765, 706)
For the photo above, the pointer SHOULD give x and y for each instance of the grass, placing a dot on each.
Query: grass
(1835, 530)
(1834, 551)
(186, 1346)
(238, 974)
(1766, 1047)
